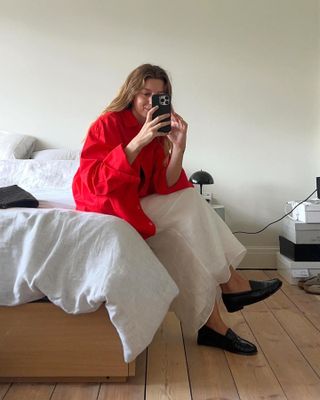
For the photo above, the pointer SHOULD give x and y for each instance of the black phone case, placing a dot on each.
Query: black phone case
(163, 101)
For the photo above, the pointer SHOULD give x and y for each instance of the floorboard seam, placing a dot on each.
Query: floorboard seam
(187, 364)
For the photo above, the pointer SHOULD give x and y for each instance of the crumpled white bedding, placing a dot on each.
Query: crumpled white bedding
(80, 261)
(31, 174)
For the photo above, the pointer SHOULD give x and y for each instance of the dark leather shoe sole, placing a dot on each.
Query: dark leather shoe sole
(230, 341)
(260, 291)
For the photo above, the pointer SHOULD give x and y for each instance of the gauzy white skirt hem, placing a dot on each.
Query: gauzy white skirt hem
(196, 247)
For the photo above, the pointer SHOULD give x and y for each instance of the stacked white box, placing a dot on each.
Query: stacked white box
(308, 211)
(292, 271)
(298, 232)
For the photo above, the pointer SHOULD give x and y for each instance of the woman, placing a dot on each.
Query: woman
(130, 169)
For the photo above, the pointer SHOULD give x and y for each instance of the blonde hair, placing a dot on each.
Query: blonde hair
(132, 86)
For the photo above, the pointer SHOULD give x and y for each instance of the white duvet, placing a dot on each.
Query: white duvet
(79, 260)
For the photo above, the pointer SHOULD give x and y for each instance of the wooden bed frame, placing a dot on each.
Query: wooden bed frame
(39, 342)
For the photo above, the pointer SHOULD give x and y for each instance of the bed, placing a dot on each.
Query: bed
(41, 343)
(81, 294)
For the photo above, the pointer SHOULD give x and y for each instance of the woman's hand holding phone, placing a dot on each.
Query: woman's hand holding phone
(148, 132)
(151, 127)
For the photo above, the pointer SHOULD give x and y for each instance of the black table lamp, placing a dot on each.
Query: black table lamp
(201, 178)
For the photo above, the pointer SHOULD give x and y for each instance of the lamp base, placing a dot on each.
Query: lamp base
(208, 197)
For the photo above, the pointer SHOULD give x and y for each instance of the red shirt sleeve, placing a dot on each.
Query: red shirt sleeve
(103, 163)
(106, 180)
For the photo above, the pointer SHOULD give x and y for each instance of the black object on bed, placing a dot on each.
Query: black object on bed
(15, 196)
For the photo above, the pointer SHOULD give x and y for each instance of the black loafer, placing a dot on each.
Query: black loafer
(229, 342)
(260, 290)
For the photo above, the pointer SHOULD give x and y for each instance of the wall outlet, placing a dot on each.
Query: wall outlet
(318, 187)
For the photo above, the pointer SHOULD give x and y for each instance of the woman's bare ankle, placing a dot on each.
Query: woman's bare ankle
(215, 321)
(218, 327)
(235, 284)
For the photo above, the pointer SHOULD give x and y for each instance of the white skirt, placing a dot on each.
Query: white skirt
(196, 247)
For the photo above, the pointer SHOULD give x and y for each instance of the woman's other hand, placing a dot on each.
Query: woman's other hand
(178, 134)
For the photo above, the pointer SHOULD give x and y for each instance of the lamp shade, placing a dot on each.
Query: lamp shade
(201, 178)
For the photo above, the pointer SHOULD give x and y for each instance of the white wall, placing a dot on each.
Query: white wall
(245, 76)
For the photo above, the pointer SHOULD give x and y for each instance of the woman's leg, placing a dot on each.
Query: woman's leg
(215, 321)
(216, 334)
(197, 248)
(236, 283)
(238, 292)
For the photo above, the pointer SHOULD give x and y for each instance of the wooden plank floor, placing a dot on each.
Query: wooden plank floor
(285, 328)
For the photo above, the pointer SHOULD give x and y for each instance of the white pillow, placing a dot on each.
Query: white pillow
(56, 154)
(15, 145)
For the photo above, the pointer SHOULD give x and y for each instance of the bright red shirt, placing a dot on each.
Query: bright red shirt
(105, 181)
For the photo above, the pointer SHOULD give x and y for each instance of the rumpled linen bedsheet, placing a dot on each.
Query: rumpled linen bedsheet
(80, 261)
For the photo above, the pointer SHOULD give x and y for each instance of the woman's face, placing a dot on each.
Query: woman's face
(141, 103)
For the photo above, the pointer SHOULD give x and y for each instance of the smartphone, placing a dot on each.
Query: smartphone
(163, 101)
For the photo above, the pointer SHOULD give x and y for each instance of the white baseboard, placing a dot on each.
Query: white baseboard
(260, 257)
